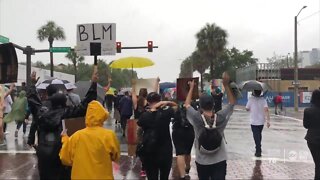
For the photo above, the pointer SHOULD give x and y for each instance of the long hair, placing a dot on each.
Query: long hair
(142, 98)
(315, 98)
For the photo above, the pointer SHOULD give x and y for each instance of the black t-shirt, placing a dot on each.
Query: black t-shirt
(217, 101)
(149, 122)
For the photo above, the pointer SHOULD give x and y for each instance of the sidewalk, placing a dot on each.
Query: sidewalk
(289, 112)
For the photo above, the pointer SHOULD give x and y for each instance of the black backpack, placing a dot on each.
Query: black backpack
(149, 143)
(209, 138)
(50, 125)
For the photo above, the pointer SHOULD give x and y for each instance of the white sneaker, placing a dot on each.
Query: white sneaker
(7, 132)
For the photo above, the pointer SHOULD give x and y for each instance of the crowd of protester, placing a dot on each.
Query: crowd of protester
(91, 152)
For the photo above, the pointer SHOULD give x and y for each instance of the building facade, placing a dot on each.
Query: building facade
(44, 74)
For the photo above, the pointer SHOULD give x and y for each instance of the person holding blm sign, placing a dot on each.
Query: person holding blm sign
(47, 121)
(211, 154)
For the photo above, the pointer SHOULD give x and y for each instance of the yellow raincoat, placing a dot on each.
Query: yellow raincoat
(90, 151)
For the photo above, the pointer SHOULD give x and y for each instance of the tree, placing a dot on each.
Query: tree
(186, 69)
(281, 61)
(51, 32)
(211, 42)
(199, 64)
(232, 59)
(39, 64)
(75, 59)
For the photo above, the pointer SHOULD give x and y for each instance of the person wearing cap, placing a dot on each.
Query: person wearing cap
(155, 123)
(210, 165)
(259, 114)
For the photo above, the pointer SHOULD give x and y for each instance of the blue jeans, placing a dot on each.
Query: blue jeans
(257, 136)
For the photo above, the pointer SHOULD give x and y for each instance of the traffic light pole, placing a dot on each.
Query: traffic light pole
(28, 51)
(138, 47)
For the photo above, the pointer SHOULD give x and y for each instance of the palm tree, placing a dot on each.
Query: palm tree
(211, 42)
(51, 32)
(199, 64)
(186, 69)
(75, 59)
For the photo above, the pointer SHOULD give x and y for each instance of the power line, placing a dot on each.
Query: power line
(309, 16)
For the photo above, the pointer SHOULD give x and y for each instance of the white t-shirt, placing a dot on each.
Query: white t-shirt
(256, 106)
(7, 104)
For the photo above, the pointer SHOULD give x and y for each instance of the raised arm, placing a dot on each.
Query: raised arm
(163, 103)
(187, 103)
(9, 92)
(156, 85)
(134, 94)
(225, 82)
(106, 88)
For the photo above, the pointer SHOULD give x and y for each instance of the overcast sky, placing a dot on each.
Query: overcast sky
(262, 26)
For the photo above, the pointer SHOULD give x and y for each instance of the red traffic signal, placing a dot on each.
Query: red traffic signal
(150, 46)
(118, 44)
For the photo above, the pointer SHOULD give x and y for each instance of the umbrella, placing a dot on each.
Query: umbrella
(61, 84)
(254, 85)
(83, 87)
(111, 91)
(131, 62)
(123, 90)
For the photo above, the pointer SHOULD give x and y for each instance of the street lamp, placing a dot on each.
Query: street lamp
(296, 83)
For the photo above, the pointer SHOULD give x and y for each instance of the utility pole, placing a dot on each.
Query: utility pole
(296, 83)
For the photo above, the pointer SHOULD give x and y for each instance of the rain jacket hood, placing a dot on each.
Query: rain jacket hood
(90, 151)
(96, 114)
(19, 109)
(22, 94)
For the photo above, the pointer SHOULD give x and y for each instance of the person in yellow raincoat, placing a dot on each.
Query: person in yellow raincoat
(90, 151)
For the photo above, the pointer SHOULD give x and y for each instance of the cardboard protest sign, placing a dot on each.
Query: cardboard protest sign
(8, 63)
(183, 88)
(74, 124)
(149, 84)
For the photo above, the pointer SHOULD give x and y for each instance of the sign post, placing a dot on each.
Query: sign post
(4, 39)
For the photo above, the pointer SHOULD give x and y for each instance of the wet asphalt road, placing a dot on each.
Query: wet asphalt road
(285, 153)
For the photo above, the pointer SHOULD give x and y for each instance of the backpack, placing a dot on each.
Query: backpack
(149, 144)
(209, 138)
(50, 125)
(184, 122)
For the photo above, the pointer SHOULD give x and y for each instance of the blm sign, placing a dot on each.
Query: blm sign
(96, 39)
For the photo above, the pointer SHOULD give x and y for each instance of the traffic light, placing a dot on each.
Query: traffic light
(150, 46)
(118, 47)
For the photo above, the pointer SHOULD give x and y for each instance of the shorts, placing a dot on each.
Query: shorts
(183, 140)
